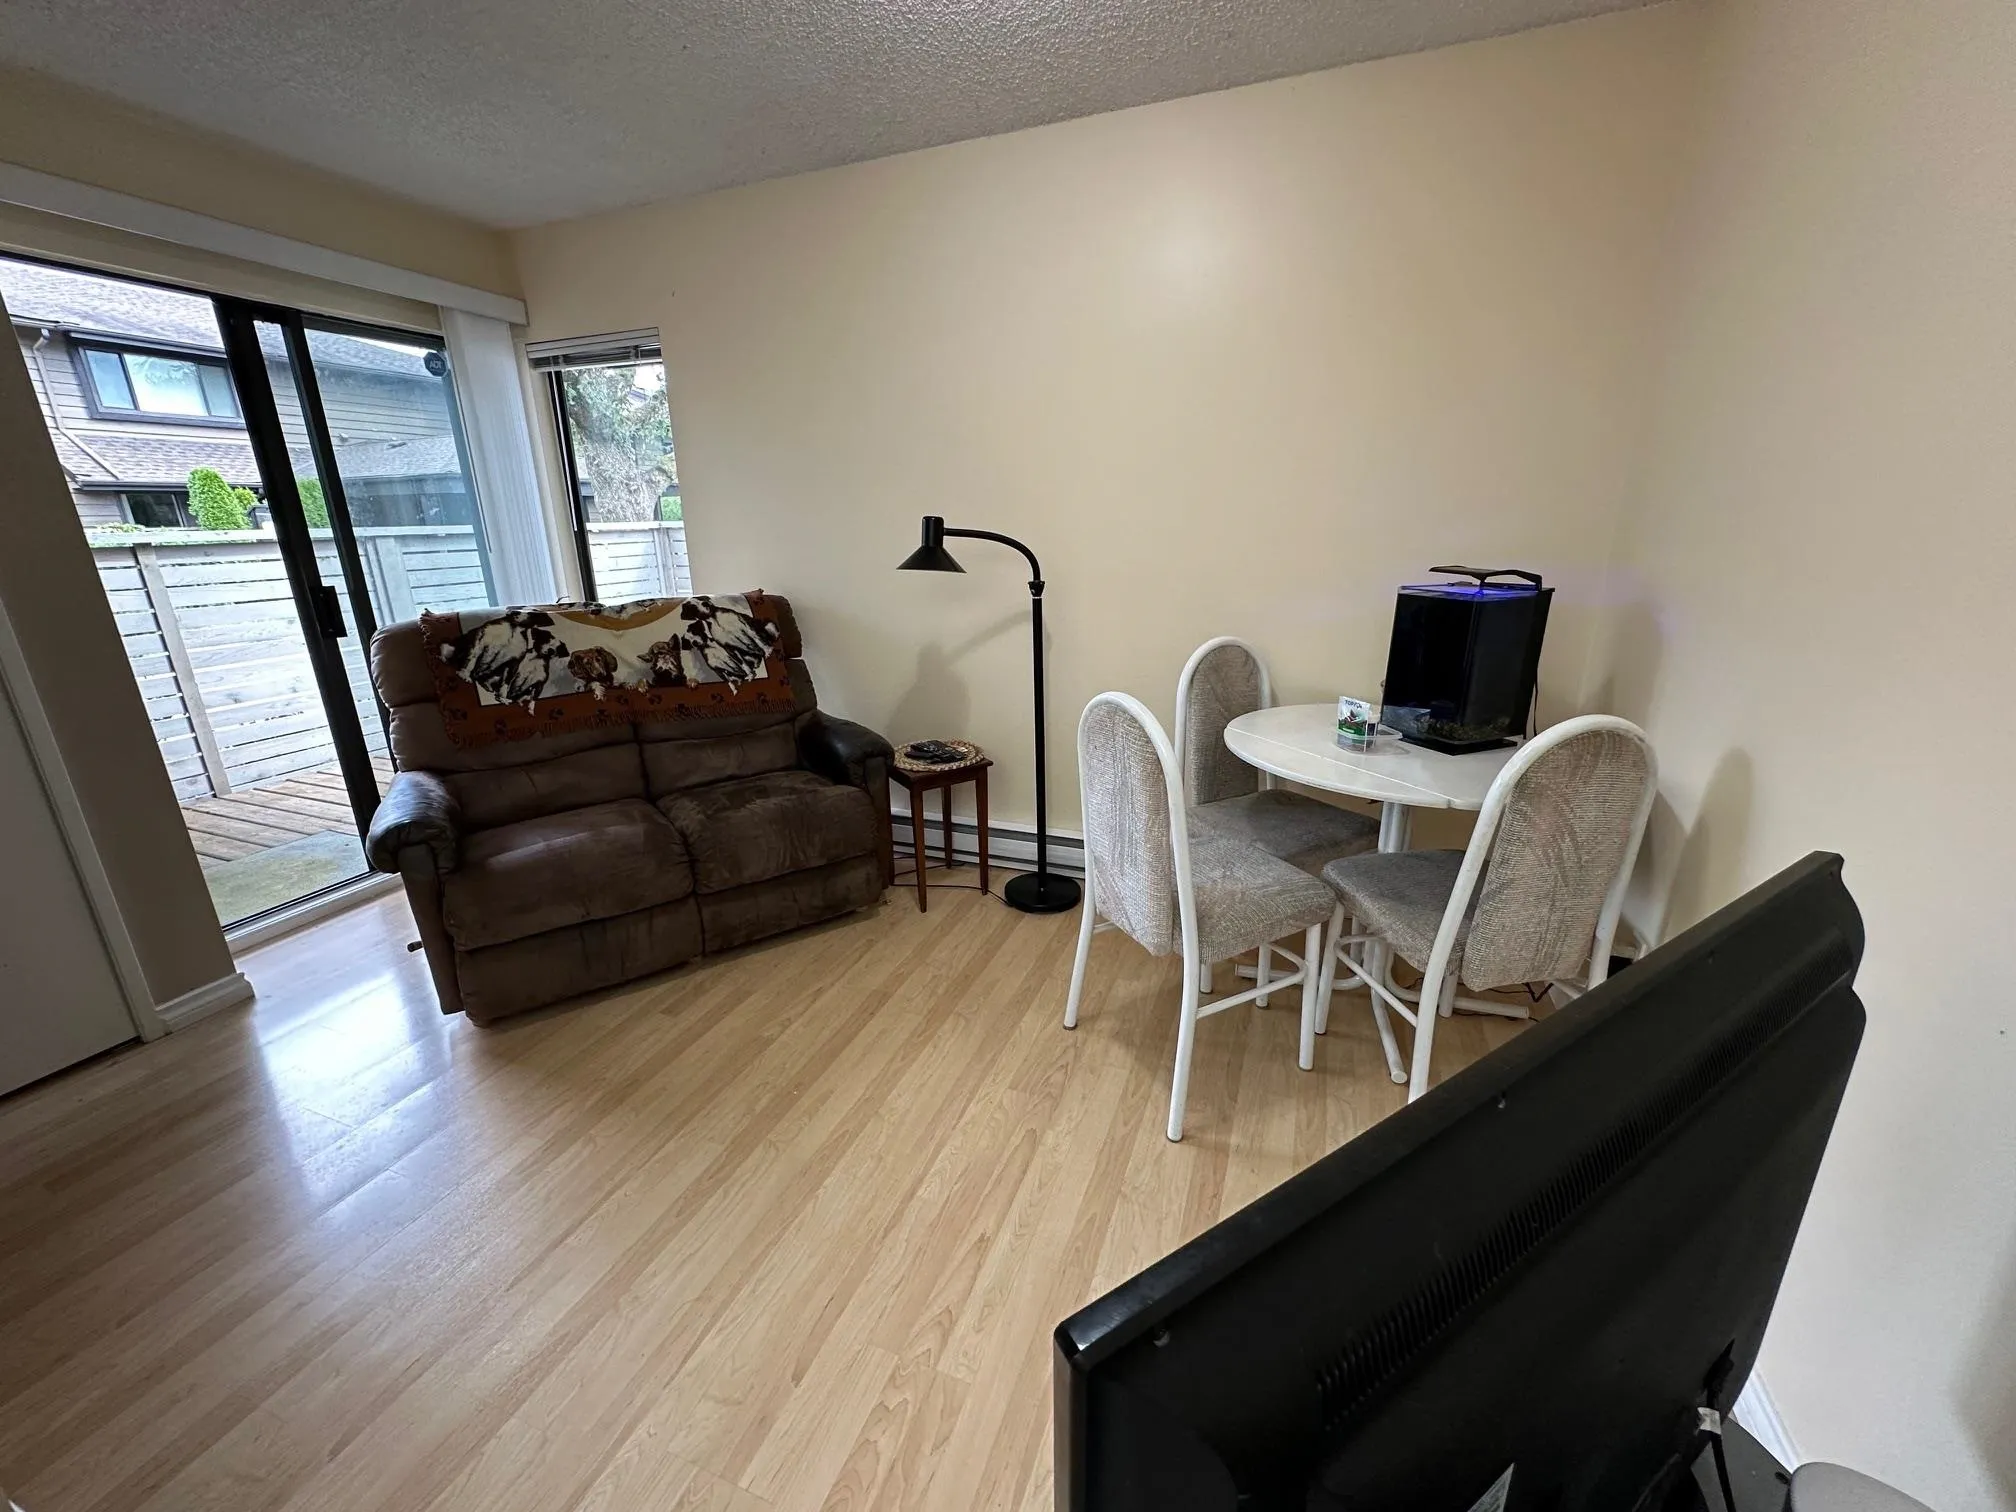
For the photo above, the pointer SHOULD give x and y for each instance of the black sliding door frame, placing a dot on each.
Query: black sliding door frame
(322, 447)
(315, 602)
(556, 388)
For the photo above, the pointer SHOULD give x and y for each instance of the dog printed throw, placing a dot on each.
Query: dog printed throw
(511, 673)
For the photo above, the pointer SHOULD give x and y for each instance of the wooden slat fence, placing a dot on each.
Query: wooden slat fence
(646, 560)
(210, 630)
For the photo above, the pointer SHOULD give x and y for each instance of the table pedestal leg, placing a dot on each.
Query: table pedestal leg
(1396, 833)
(1396, 826)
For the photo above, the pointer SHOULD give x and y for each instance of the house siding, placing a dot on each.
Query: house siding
(361, 407)
(367, 406)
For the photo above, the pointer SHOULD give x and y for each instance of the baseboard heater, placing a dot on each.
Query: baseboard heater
(1009, 845)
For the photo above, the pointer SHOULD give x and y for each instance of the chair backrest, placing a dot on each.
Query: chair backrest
(1223, 679)
(1552, 853)
(1137, 844)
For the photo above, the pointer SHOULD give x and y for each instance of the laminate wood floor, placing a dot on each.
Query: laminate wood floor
(785, 1229)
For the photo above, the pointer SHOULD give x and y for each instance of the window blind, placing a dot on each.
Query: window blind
(490, 391)
(611, 350)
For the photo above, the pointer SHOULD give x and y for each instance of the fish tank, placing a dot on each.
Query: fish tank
(1465, 658)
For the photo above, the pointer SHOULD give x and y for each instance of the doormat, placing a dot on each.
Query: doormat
(253, 884)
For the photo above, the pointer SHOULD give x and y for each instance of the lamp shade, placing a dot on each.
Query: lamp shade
(931, 556)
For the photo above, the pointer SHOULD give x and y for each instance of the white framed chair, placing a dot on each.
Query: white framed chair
(1172, 889)
(1535, 897)
(1223, 679)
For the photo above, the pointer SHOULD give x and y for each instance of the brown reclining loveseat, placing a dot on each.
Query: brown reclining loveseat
(542, 868)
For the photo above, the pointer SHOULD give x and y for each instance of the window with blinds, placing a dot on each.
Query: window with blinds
(615, 431)
(617, 349)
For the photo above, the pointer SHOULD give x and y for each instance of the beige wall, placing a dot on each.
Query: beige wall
(73, 650)
(82, 245)
(1232, 364)
(56, 128)
(1817, 629)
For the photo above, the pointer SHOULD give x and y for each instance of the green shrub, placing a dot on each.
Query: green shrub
(669, 507)
(313, 504)
(215, 504)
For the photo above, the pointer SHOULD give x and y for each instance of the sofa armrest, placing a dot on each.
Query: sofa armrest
(417, 810)
(842, 751)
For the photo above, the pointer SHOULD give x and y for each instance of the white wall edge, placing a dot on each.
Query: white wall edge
(125, 212)
(200, 1003)
(1757, 1411)
(17, 684)
(337, 900)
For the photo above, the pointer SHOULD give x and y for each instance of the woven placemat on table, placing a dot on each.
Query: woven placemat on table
(972, 756)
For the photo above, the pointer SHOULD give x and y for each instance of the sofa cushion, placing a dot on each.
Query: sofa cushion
(689, 753)
(763, 909)
(576, 780)
(675, 766)
(498, 980)
(755, 828)
(559, 869)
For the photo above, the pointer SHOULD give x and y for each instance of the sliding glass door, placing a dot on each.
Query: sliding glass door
(371, 499)
(260, 491)
(265, 352)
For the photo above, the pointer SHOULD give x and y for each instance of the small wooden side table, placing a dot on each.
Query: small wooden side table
(917, 782)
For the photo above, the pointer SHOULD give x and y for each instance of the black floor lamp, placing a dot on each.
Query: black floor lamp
(1040, 891)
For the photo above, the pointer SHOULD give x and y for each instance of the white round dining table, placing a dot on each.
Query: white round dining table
(1299, 742)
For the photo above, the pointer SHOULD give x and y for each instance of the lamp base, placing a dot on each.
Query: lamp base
(1041, 893)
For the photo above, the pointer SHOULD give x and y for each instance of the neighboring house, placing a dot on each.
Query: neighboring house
(134, 388)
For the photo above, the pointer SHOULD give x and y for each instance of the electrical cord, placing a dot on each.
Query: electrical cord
(1722, 1474)
(1710, 1423)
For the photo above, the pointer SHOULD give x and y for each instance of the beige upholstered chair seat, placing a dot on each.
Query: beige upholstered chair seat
(1535, 898)
(1401, 896)
(1301, 831)
(1247, 898)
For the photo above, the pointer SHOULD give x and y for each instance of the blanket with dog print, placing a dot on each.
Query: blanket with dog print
(507, 674)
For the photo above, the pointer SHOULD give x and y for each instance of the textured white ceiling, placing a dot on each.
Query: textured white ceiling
(519, 111)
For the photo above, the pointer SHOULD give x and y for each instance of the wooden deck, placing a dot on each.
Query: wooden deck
(255, 819)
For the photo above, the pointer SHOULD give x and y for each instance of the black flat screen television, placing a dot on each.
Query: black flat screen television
(1516, 1293)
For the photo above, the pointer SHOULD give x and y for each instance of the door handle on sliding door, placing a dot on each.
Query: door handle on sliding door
(329, 612)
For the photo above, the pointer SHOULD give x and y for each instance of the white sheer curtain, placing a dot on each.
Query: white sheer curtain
(489, 389)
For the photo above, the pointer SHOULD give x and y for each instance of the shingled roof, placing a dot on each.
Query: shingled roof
(123, 461)
(85, 304)
(151, 462)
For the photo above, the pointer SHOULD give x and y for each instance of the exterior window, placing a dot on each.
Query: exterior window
(160, 507)
(108, 376)
(616, 444)
(160, 384)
